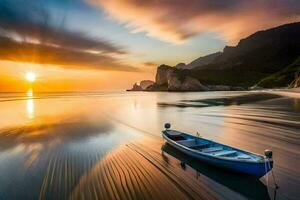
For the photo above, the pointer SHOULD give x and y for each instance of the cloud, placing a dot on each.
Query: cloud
(151, 64)
(176, 21)
(64, 57)
(27, 34)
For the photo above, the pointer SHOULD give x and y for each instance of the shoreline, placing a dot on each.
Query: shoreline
(293, 92)
(274, 90)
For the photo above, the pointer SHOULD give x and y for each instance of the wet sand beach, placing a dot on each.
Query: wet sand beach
(138, 171)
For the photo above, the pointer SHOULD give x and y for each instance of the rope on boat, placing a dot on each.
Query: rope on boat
(272, 172)
(268, 166)
(266, 170)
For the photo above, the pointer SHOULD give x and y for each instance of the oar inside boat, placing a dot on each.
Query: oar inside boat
(219, 154)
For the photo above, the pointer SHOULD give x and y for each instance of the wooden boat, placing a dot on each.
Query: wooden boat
(219, 155)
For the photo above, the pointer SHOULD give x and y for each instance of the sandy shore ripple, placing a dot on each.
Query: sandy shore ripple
(140, 171)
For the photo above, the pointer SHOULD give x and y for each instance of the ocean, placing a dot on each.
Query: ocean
(108, 145)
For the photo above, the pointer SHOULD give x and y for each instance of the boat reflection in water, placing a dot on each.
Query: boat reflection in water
(247, 186)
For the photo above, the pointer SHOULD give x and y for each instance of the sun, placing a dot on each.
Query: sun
(30, 76)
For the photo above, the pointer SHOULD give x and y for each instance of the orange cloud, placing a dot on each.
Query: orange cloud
(175, 21)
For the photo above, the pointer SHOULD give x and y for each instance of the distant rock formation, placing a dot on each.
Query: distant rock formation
(142, 86)
(136, 87)
(146, 83)
(168, 80)
(166, 76)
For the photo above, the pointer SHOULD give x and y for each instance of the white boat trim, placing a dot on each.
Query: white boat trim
(262, 160)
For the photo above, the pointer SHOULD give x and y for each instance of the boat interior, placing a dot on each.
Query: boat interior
(209, 147)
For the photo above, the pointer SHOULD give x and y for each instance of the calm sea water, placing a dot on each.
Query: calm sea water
(48, 141)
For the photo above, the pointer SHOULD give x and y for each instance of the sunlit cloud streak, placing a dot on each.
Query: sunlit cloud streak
(28, 34)
(151, 64)
(60, 56)
(176, 21)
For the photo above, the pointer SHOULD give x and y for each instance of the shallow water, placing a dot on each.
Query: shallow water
(50, 143)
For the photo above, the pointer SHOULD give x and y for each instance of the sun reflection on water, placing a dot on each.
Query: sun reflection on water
(30, 104)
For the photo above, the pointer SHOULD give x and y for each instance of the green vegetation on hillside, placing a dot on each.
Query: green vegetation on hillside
(230, 77)
(289, 77)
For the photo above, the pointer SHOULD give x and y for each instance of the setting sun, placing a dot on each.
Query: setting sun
(30, 76)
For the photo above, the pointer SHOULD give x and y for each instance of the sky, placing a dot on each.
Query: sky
(107, 45)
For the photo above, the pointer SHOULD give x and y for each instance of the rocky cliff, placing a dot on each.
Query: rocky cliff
(163, 74)
(169, 79)
(145, 84)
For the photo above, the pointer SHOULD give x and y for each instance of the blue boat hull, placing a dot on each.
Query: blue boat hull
(257, 169)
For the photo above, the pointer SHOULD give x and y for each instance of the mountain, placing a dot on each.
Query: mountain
(265, 51)
(254, 58)
(268, 58)
(201, 61)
